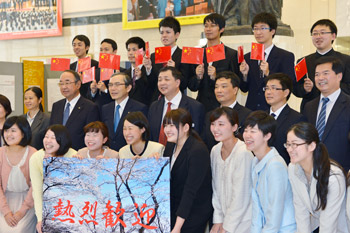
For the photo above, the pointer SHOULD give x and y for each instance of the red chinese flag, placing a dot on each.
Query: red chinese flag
(258, 52)
(162, 54)
(240, 54)
(192, 55)
(105, 74)
(84, 64)
(215, 53)
(116, 62)
(60, 64)
(88, 75)
(300, 69)
(147, 50)
(139, 57)
(108, 61)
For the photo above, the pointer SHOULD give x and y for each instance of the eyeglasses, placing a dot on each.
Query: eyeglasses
(60, 84)
(314, 34)
(260, 29)
(293, 145)
(115, 84)
(273, 88)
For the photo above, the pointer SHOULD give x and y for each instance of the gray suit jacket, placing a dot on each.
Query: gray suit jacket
(40, 124)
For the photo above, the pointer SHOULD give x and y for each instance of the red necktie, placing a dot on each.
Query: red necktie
(162, 137)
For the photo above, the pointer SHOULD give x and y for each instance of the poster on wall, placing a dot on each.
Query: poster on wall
(7, 88)
(139, 14)
(30, 18)
(106, 195)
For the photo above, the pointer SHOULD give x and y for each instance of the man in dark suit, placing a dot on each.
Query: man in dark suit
(113, 114)
(169, 87)
(74, 111)
(226, 89)
(277, 60)
(203, 78)
(277, 92)
(323, 34)
(331, 110)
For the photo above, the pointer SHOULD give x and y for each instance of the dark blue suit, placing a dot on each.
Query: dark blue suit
(155, 114)
(116, 139)
(83, 113)
(336, 135)
(280, 61)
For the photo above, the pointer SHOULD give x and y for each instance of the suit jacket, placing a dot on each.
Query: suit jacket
(208, 137)
(40, 124)
(83, 113)
(116, 139)
(190, 186)
(85, 87)
(205, 86)
(285, 120)
(139, 92)
(280, 61)
(155, 115)
(336, 134)
(311, 59)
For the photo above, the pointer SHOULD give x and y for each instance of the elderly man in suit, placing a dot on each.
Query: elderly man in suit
(331, 110)
(74, 111)
(113, 114)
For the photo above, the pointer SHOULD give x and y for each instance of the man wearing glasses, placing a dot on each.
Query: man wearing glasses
(277, 92)
(277, 60)
(323, 34)
(113, 114)
(74, 111)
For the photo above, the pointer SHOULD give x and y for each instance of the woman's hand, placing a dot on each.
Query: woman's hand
(217, 227)
(10, 220)
(18, 216)
(38, 227)
(78, 156)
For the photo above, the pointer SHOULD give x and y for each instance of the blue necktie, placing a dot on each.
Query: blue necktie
(66, 114)
(273, 115)
(116, 117)
(321, 121)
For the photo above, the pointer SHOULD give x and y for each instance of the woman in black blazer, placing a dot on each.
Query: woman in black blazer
(190, 185)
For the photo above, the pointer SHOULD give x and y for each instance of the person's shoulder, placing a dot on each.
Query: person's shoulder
(155, 144)
(230, 50)
(283, 51)
(70, 153)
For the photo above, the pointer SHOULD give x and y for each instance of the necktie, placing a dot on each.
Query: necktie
(133, 78)
(321, 121)
(162, 137)
(273, 115)
(116, 117)
(66, 114)
(259, 62)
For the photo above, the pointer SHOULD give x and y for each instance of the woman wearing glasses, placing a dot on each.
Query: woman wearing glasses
(318, 183)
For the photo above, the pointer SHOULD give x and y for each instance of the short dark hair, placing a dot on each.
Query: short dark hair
(75, 74)
(174, 72)
(136, 40)
(62, 138)
(326, 22)
(265, 122)
(139, 119)
(38, 93)
(111, 42)
(267, 18)
(127, 80)
(5, 102)
(337, 65)
(217, 19)
(285, 81)
(84, 39)
(170, 22)
(235, 81)
(23, 125)
(95, 127)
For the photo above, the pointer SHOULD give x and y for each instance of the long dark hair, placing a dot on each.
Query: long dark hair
(38, 93)
(321, 161)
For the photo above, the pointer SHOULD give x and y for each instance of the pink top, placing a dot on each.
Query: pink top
(5, 170)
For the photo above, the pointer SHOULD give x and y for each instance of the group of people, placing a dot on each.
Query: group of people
(228, 162)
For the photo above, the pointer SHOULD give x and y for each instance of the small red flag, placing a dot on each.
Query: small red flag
(110, 61)
(215, 53)
(192, 55)
(60, 64)
(162, 54)
(147, 49)
(300, 69)
(105, 74)
(88, 75)
(240, 54)
(139, 57)
(84, 64)
(258, 52)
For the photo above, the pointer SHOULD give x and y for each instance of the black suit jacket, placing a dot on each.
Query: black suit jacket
(208, 137)
(139, 92)
(116, 139)
(205, 86)
(83, 113)
(285, 120)
(336, 134)
(190, 186)
(280, 61)
(40, 124)
(155, 114)
(311, 59)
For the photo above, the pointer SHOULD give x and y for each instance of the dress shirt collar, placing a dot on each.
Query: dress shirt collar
(173, 49)
(233, 104)
(268, 51)
(122, 104)
(175, 101)
(278, 112)
(332, 97)
(324, 52)
(260, 165)
(72, 103)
